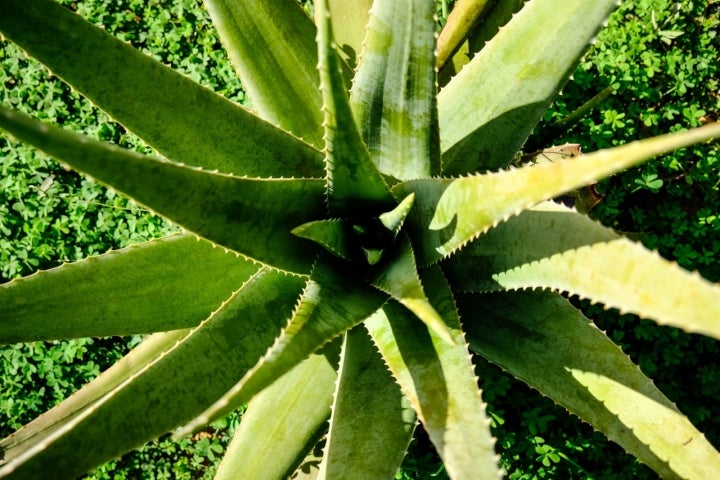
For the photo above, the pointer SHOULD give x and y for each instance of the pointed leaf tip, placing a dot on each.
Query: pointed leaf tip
(438, 380)
(331, 303)
(332, 235)
(354, 182)
(453, 211)
(400, 279)
(395, 218)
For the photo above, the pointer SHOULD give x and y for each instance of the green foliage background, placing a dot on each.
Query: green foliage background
(660, 58)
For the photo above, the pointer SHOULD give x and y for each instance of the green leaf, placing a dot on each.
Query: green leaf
(57, 419)
(399, 278)
(349, 18)
(462, 21)
(395, 218)
(333, 302)
(286, 36)
(309, 468)
(393, 95)
(334, 235)
(439, 380)
(170, 376)
(541, 339)
(299, 405)
(354, 183)
(493, 19)
(251, 216)
(160, 285)
(449, 213)
(357, 240)
(372, 423)
(565, 251)
(490, 108)
(182, 120)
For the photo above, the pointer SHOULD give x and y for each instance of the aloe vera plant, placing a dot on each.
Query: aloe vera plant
(335, 237)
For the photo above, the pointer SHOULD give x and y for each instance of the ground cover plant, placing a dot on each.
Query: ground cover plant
(40, 374)
(375, 251)
(50, 215)
(672, 219)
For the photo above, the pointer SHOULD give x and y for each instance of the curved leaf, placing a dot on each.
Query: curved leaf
(191, 125)
(493, 18)
(393, 94)
(171, 380)
(350, 18)
(336, 236)
(309, 468)
(490, 108)
(464, 16)
(541, 339)
(355, 186)
(399, 278)
(286, 36)
(395, 218)
(565, 251)
(299, 405)
(52, 421)
(439, 380)
(251, 216)
(360, 239)
(372, 423)
(333, 302)
(448, 213)
(165, 284)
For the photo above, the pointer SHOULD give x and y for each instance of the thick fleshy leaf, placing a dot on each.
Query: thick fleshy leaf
(350, 18)
(394, 219)
(448, 213)
(355, 186)
(464, 16)
(399, 278)
(393, 94)
(286, 36)
(47, 424)
(250, 216)
(309, 468)
(164, 284)
(298, 404)
(541, 339)
(333, 302)
(554, 247)
(358, 240)
(184, 121)
(333, 235)
(149, 393)
(493, 18)
(439, 380)
(372, 422)
(490, 108)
